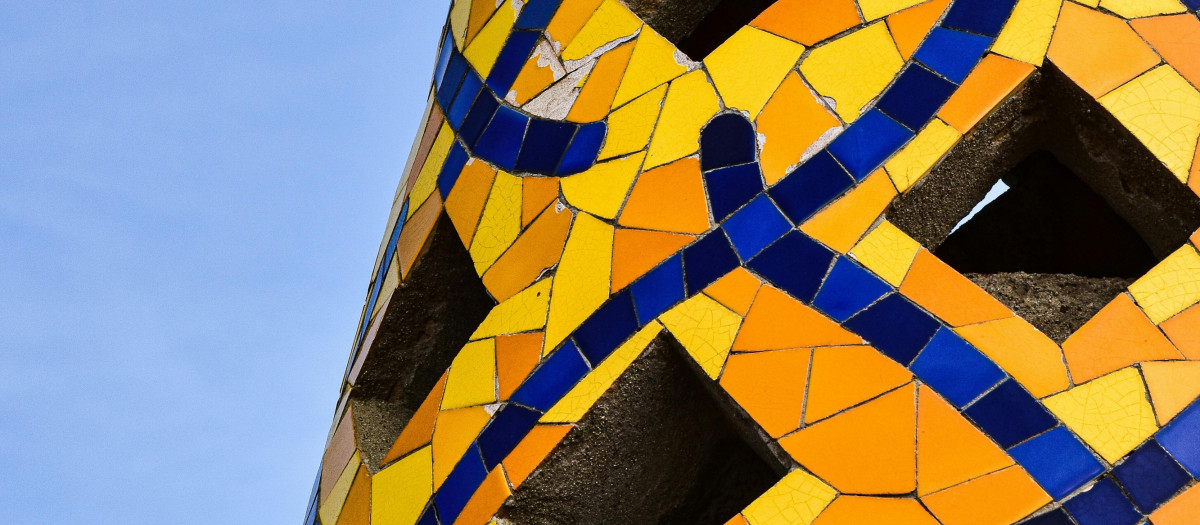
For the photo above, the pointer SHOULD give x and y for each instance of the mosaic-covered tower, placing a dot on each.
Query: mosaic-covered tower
(787, 262)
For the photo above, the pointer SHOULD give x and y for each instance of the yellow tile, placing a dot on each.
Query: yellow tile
(399, 492)
(601, 189)
(630, 126)
(332, 506)
(796, 499)
(705, 328)
(1140, 8)
(427, 180)
(500, 223)
(581, 283)
(522, 312)
(1022, 351)
(472, 379)
(576, 403)
(916, 159)
(873, 9)
(654, 63)
(459, 14)
(1173, 386)
(1027, 34)
(841, 224)
(1169, 287)
(611, 21)
(749, 66)
(483, 50)
(887, 251)
(1163, 111)
(1109, 413)
(854, 68)
(690, 103)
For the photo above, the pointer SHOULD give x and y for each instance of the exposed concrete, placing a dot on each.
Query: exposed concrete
(673, 19)
(1055, 303)
(656, 448)
(697, 27)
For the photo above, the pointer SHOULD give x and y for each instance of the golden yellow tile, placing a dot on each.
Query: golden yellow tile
(690, 103)
(853, 69)
(472, 379)
(920, 155)
(840, 225)
(630, 126)
(887, 251)
(500, 223)
(705, 329)
(601, 189)
(331, 507)
(427, 179)
(1162, 110)
(749, 66)
(576, 403)
(1140, 8)
(654, 63)
(399, 492)
(873, 9)
(1032, 359)
(486, 46)
(1109, 413)
(1169, 287)
(1027, 34)
(796, 499)
(522, 312)
(612, 21)
(581, 283)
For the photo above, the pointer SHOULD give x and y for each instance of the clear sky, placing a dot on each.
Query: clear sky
(191, 199)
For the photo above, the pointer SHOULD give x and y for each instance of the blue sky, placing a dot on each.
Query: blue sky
(191, 199)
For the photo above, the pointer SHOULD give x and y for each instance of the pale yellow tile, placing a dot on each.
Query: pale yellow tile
(1162, 110)
(500, 223)
(1140, 8)
(705, 328)
(854, 69)
(887, 251)
(523, 312)
(629, 127)
(874, 9)
(576, 403)
(612, 21)
(601, 189)
(332, 506)
(796, 499)
(1110, 413)
(581, 283)
(427, 180)
(400, 491)
(1027, 34)
(486, 46)
(920, 155)
(690, 103)
(654, 62)
(1169, 287)
(472, 379)
(459, 16)
(749, 66)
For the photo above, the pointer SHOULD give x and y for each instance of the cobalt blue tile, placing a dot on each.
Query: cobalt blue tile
(447, 49)
(463, 481)
(1010, 415)
(1192, 4)
(811, 186)
(727, 140)
(429, 517)
(507, 429)
(455, 160)
(868, 142)
(755, 226)
(1058, 461)
(380, 273)
(729, 188)
(455, 72)
(552, 379)
(545, 143)
(658, 290)
(915, 97)
(708, 259)
(584, 148)
(1054, 517)
(1181, 437)
(471, 87)
(795, 263)
(955, 369)
(1150, 476)
(604, 330)
(311, 517)
(952, 53)
(1103, 504)
(895, 326)
(512, 58)
(477, 119)
(501, 142)
(537, 14)
(848, 289)
(985, 17)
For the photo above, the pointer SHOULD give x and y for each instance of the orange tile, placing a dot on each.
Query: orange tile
(1098, 51)
(516, 356)
(870, 449)
(736, 290)
(842, 223)
(357, 509)
(950, 450)
(777, 321)
(486, 500)
(862, 510)
(989, 84)
(791, 121)
(1184, 331)
(536, 75)
(999, 498)
(1182, 510)
(597, 95)
(569, 19)
(416, 231)
(1176, 38)
(481, 12)
(669, 198)
(1117, 336)
(769, 386)
(536, 194)
(428, 135)
(419, 429)
(737, 520)
(465, 204)
(538, 248)
(943, 291)
(532, 449)
(910, 26)
(636, 252)
(848, 375)
(821, 19)
(1173, 385)
(1022, 351)
(452, 435)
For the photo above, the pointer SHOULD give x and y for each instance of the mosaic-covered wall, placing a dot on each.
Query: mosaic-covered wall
(582, 188)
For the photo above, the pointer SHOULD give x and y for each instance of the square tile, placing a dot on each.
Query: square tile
(1058, 461)
(1010, 415)
(658, 290)
(985, 17)
(795, 263)
(848, 289)
(811, 186)
(1103, 504)
(895, 326)
(466, 477)
(755, 226)
(952, 54)
(508, 427)
(501, 142)
(707, 260)
(1150, 476)
(512, 58)
(955, 369)
(553, 378)
(584, 148)
(604, 330)
(477, 119)
(864, 146)
(730, 188)
(545, 143)
(916, 96)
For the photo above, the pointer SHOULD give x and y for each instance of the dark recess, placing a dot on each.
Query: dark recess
(697, 27)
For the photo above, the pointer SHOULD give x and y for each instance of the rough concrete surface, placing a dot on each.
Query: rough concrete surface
(1056, 304)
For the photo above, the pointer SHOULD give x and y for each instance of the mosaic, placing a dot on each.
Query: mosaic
(609, 189)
